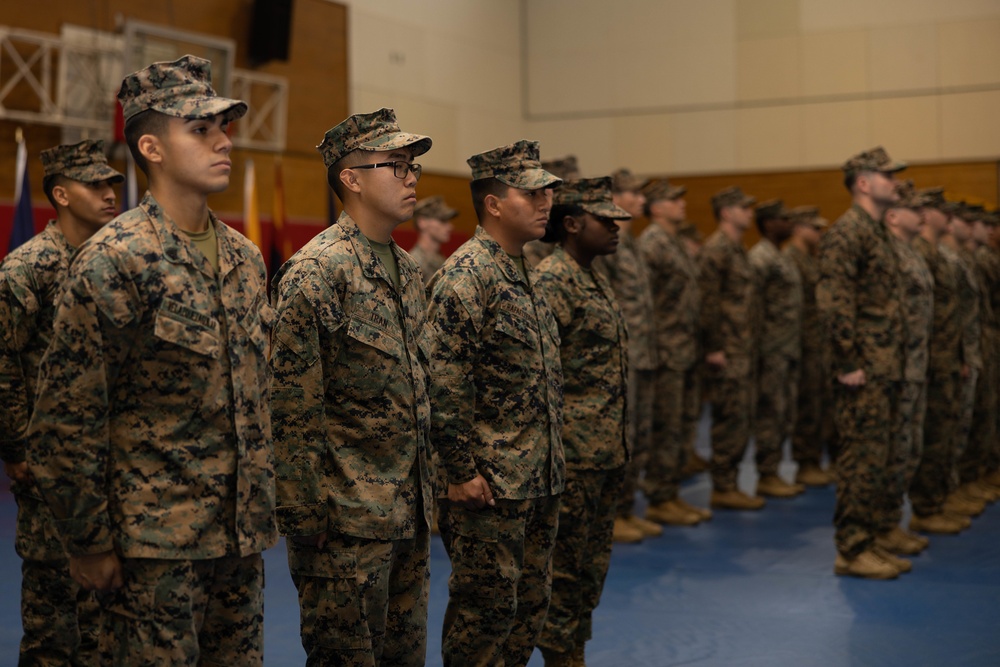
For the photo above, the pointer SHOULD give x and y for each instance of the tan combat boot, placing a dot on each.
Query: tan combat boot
(900, 564)
(774, 486)
(624, 532)
(812, 475)
(962, 504)
(982, 490)
(866, 565)
(898, 541)
(736, 500)
(647, 528)
(672, 513)
(941, 524)
(703, 512)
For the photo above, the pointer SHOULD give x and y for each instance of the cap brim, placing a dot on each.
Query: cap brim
(207, 107)
(89, 175)
(533, 178)
(748, 201)
(417, 143)
(676, 191)
(606, 210)
(632, 184)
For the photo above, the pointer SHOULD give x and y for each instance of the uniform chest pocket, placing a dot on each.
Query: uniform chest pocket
(517, 328)
(371, 335)
(196, 337)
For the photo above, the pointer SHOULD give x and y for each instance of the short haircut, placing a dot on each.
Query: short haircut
(717, 211)
(49, 184)
(850, 178)
(762, 220)
(483, 187)
(352, 159)
(557, 217)
(149, 121)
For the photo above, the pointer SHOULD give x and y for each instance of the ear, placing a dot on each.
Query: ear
(349, 178)
(60, 195)
(492, 205)
(150, 148)
(572, 225)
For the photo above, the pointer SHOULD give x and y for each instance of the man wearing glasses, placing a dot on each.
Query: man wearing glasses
(351, 412)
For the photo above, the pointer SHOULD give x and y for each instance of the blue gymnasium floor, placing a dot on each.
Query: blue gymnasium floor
(747, 589)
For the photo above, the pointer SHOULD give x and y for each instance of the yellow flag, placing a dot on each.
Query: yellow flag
(251, 214)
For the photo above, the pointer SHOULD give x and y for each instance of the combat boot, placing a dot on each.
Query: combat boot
(703, 512)
(866, 565)
(900, 564)
(694, 465)
(774, 486)
(672, 513)
(736, 500)
(993, 477)
(983, 490)
(898, 541)
(624, 532)
(647, 528)
(941, 524)
(812, 475)
(962, 504)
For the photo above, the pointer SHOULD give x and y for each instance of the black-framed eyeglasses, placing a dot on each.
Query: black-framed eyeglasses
(399, 168)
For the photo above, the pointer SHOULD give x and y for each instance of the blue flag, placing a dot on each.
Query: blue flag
(23, 227)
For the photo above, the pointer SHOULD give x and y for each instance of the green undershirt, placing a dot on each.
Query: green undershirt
(519, 263)
(207, 243)
(384, 252)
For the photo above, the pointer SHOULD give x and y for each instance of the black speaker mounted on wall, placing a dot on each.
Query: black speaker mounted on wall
(270, 30)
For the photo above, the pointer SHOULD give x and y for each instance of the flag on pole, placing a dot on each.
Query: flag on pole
(281, 245)
(23, 227)
(251, 215)
(130, 191)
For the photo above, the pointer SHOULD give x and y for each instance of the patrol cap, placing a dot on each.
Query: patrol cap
(953, 208)
(972, 212)
(84, 162)
(808, 215)
(182, 88)
(593, 195)
(434, 207)
(376, 131)
(623, 180)
(908, 196)
(771, 210)
(732, 196)
(565, 168)
(659, 189)
(875, 159)
(933, 197)
(516, 165)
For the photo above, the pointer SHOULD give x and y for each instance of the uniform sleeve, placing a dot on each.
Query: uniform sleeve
(836, 298)
(711, 275)
(553, 289)
(93, 329)
(454, 323)
(19, 307)
(307, 337)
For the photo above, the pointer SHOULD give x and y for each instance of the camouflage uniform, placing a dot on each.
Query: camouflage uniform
(729, 324)
(60, 620)
(780, 294)
(981, 457)
(497, 394)
(428, 262)
(593, 350)
(430, 207)
(151, 422)
(859, 299)
(930, 484)
(813, 423)
(351, 421)
(628, 276)
(972, 358)
(676, 298)
(918, 315)
(567, 169)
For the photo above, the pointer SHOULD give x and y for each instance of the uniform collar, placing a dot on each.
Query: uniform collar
(177, 246)
(371, 266)
(501, 257)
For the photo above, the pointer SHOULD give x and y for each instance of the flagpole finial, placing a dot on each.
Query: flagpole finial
(19, 135)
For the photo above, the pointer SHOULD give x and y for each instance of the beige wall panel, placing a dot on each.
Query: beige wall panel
(768, 138)
(766, 18)
(903, 58)
(970, 52)
(703, 142)
(909, 127)
(564, 82)
(833, 132)
(768, 69)
(850, 14)
(392, 53)
(643, 144)
(591, 140)
(462, 75)
(969, 125)
(834, 63)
